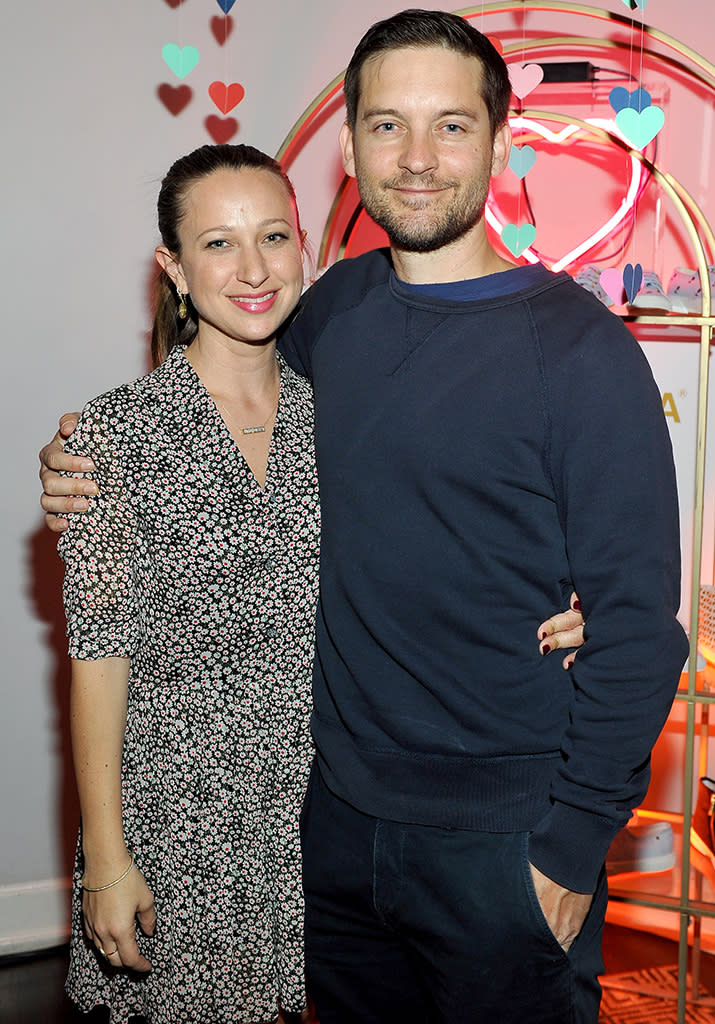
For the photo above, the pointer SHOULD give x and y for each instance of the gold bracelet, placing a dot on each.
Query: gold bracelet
(99, 888)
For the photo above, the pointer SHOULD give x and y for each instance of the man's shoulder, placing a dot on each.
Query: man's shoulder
(346, 281)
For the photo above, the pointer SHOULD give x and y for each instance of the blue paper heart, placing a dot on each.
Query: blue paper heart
(640, 127)
(180, 59)
(226, 5)
(632, 280)
(516, 239)
(521, 160)
(621, 99)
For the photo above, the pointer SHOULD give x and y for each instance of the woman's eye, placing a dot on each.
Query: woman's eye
(217, 243)
(276, 236)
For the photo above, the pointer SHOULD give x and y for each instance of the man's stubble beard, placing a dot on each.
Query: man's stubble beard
(404, 228)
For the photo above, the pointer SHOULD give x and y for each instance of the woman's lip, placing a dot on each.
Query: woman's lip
(254, 303)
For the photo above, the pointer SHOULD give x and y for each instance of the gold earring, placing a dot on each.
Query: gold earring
(182, 305)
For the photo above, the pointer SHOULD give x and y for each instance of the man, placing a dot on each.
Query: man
(488, 438)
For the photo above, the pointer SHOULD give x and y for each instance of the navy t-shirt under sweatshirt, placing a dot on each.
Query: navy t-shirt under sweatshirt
(483, 449)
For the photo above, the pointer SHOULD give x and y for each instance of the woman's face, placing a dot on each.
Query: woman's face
(241, 254)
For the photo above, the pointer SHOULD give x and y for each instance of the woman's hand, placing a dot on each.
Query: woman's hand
(110, 918)
(562, 631)
(64, 494)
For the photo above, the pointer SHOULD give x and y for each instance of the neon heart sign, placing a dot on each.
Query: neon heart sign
(638, 176)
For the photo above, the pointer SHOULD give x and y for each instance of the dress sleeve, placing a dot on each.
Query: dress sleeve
(99, 552)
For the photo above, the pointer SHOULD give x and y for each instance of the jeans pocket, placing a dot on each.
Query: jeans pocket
(539, 918)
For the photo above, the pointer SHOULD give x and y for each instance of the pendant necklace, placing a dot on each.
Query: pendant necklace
(261, 428)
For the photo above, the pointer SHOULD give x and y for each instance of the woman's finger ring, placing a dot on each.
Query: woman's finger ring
(110, 953)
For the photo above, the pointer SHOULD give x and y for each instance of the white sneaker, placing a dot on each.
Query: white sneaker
(652, 295)
(684, 291)
(588, 277)
(646, 846)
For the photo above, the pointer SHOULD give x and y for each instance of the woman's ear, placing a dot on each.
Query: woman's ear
(172, 267)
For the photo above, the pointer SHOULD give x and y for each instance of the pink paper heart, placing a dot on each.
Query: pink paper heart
(524, 78)
(612, 283)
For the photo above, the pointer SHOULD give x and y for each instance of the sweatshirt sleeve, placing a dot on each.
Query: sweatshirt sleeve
(614, 479)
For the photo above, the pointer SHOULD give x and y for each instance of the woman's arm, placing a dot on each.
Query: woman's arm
(98, 713)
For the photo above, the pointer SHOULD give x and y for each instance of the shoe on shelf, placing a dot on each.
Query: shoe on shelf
(651, 296)
(642, 846)
(684, 291)
(702, 826)
(589, 278)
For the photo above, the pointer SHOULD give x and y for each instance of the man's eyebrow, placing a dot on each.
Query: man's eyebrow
(447, 112)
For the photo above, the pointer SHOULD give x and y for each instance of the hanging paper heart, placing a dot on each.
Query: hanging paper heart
(632, 280)
(620, 99)
(496, 43)
(640, 128)
(612, 283)
(175, 97)
(226, 97)
(638, 176)
(226, 5)
(524, 78)
(516, 239)
(638, 3)
(222, 28)
(174, 3)
(180, 59)
(521, 160)
(221, 129)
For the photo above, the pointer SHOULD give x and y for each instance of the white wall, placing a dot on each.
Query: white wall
(85, 142)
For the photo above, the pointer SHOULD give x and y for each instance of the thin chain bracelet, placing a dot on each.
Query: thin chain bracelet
(100, 888)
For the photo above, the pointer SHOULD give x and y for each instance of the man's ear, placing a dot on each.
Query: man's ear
(347, 149)
(171, 266)
(501, 148)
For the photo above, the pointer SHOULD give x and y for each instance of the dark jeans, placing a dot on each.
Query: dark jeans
(408, 924)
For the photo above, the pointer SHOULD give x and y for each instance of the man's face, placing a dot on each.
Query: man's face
(421, 148)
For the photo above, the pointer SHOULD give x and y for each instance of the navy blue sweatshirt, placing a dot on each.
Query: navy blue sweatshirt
(477, 461)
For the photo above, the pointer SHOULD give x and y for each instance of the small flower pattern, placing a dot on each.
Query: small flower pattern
(208, 583)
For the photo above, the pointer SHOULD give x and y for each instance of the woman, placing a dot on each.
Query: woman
(190, 590)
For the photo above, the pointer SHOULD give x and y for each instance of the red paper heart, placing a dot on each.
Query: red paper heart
(174, 3)
(496, 43)
(222, 28)
(174, 97)
(226, 97)
(221, 129)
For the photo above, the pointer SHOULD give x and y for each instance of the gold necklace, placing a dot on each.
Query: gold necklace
(260, 429)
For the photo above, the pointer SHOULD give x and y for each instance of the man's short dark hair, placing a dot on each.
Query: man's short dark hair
(416, 27)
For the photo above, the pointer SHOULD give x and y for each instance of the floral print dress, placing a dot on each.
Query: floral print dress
(208, 584)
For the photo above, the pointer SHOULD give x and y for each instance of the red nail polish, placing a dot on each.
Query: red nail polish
(545, 648)
(577, 606)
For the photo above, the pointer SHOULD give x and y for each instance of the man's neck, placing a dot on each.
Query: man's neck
(468, 257)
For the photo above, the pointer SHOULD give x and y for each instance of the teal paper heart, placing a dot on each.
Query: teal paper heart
(639, 3)
(180, 59)
(516, 239)
(640, 128)
(521, 160)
